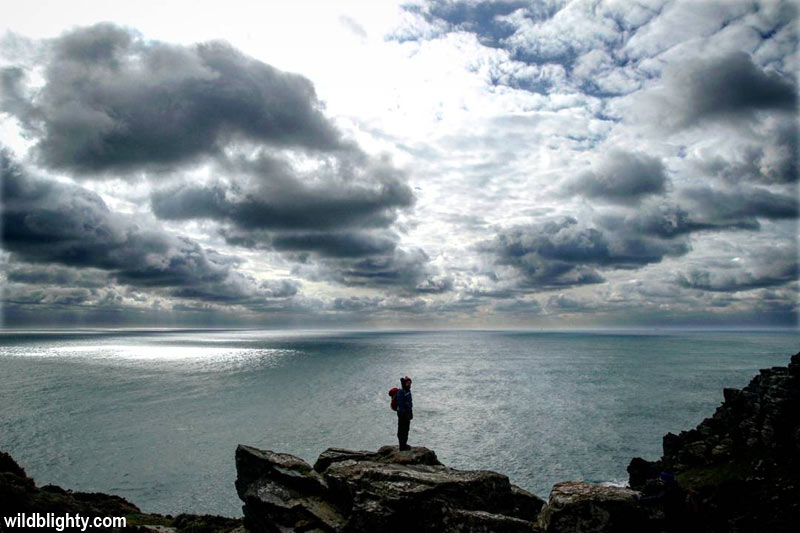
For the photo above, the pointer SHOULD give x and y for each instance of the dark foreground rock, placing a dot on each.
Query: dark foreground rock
(387, 490)
(19, 494)
(740, 468)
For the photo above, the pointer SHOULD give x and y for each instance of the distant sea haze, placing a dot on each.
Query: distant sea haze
(155, 416)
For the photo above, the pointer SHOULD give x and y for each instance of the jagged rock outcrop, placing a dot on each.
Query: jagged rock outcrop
(19, 494)
(740, 467)
(387, 490)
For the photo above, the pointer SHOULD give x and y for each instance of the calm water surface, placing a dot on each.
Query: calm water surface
(156, 416)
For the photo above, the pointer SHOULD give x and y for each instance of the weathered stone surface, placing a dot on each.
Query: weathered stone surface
(417, 455)
(284, 488)
(286, 470)
(387, 490)
(588, 508)
(483, 522)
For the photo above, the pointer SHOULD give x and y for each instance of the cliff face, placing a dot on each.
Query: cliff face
(387, 490)
(741, 467)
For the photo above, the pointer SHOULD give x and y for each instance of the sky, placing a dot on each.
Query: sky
(537, 164)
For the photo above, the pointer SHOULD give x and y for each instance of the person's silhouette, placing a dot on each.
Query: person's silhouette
(405, 412)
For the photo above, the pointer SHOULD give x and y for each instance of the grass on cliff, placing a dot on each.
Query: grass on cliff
(697, 478)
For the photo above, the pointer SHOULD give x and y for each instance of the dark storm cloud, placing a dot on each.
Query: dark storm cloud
(731, 86)
(669, 221)
(343, 244)
(740, 206)
(702, 209)
(112, 100)
(48, 222)
(777, 266)
(562, 253)
(402, 269)
(286, 204)
(335, 219)
(621, 177)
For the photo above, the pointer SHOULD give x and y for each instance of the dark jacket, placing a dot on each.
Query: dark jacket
(405, 403)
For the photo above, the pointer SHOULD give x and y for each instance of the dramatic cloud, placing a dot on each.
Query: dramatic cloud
(780, 268)
(112, 100)
(334, 220)
(326, 198)
(742, 206)
(668, 221)
(622, 162)
(621, 177)
(343, 244)
(561, 253)
(729, 88)
(47, 222)
(773, 160)
(396, 270)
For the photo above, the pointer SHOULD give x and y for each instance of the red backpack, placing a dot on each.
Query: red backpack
(393, 394)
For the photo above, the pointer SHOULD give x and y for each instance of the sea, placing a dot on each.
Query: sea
(155, 415)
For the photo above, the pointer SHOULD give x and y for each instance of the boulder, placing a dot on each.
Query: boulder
(588, 508)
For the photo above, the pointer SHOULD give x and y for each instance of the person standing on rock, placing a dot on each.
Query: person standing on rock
(405, 412)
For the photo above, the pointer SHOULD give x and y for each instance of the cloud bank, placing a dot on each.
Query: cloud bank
(469, 163)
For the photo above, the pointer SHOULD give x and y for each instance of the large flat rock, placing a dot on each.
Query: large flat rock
(387, 490)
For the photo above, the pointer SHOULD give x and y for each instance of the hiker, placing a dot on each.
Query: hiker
(675, 502)
(404, 412)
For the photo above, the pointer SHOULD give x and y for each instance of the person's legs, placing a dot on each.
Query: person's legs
(403, 424)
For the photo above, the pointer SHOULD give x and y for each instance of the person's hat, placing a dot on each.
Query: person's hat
(405, 379)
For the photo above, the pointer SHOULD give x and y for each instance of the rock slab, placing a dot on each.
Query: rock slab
(387, 490)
